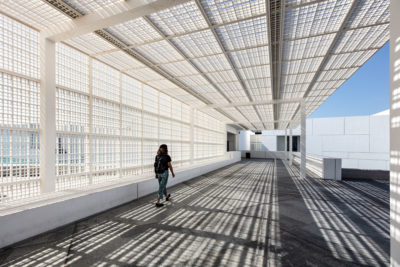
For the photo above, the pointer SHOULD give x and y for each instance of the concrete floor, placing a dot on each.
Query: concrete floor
(253, 213)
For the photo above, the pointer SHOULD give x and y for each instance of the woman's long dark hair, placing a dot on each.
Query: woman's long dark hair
(163, 150)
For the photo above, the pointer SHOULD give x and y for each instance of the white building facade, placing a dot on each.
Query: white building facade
(362, 142)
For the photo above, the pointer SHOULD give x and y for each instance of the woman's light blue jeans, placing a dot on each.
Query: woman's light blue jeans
(162, 182)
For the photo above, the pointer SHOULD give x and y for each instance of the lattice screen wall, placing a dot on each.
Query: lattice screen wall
(19, 109)
(108, 125)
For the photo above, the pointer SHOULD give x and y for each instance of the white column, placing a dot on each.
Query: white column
(286, 156)
(291, 146)
(141, 129)
(47, 115)
(120, 123)
(394, 133)
(91, 141)
(191, 135)
(303, 151)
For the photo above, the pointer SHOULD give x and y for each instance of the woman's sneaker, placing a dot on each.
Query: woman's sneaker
(167, 198)
(159, 204)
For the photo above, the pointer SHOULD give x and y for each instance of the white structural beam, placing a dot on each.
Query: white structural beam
(303, 152)
(286, 156)
(251, 122)
(192, 111)
(47, 115)
(108, 16)
(395, 133)
(290, 146)
(254, 103)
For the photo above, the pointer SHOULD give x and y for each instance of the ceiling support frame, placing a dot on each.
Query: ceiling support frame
(121, 46)
(150, 22)
(328, 54)
(221, 46)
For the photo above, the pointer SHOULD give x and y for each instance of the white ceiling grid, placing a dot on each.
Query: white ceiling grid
(35, 13)
(120, 61)
(218, 50)
(352, 49)
(135, 32)
(90, 6)
(224, 11)
(90, 44)
(179, 19)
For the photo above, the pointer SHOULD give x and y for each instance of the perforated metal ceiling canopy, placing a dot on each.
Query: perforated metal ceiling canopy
(247, 62)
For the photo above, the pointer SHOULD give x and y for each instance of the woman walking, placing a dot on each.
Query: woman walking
(161, 165)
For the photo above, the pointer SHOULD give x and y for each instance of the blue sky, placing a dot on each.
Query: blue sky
(365, 93)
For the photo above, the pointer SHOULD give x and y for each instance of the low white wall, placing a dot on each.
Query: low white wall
(20, 220)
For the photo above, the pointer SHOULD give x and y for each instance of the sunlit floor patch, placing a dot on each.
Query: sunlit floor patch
(254, 213)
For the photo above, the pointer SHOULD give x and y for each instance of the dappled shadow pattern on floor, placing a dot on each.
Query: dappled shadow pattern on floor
(253, 213)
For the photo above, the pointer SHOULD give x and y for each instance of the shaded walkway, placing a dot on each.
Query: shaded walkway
(253, 213)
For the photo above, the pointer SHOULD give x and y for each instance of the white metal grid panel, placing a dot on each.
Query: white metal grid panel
(209, 137)
(179, 68)
(322, 17)
(224, 76)
(363, 38)
(150, 99)
(233, 112)
(257, 72)
(261, 93)
(90, 44)
(198, 44)
(212, 63)
(249, 112)
(307, 47)
(72, 111)
(308, 65)
(348, 60)
(90, 6)
(287, 110)
(131, 91)
(179, 19)
(131, 124)
(145, 74)
(165, 107)
(105, 81)
(244, 34)
(19, 109)
(20, 56)
(222, 11)
(72, 68)
(121, 61)
(250, 57)
(19, 143)
(36, 13)
(266, 112)
(159, 52)
(134, 32)
(109, 125)
(369, 12)
(106, 117)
